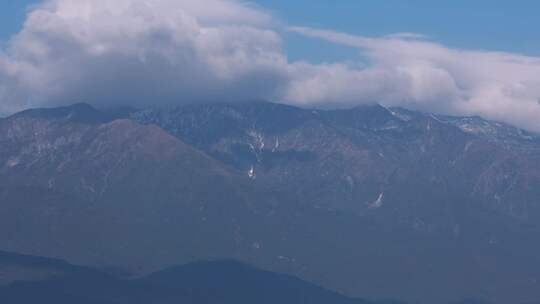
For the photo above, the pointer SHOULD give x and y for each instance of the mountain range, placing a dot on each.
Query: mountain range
(371, 202)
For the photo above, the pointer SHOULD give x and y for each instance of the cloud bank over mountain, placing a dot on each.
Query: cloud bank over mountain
(141, 52)
(412, 72)
(148, 52)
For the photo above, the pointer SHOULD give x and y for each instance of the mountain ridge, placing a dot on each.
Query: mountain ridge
(220, 281)
(376, 194)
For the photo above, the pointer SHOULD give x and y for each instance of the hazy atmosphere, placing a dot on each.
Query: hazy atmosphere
(269, 152)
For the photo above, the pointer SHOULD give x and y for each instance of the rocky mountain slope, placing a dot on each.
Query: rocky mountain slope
(370, 202)
(348, 158)
(113, 192)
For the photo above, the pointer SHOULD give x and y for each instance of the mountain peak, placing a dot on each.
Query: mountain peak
(79, 112)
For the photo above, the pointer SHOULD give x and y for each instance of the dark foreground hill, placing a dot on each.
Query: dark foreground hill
(370, 202)
(220, 282)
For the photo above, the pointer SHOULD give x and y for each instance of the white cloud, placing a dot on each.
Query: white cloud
(425, 75)
(140, 52)
(145, 52)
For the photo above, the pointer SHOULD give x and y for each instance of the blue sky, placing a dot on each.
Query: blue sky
(12, 14)
(479, 24)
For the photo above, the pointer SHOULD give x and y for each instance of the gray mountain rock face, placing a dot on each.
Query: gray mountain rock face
(370, 201)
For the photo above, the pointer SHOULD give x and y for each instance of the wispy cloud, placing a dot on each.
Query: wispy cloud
(429, 76)
(406, 35)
